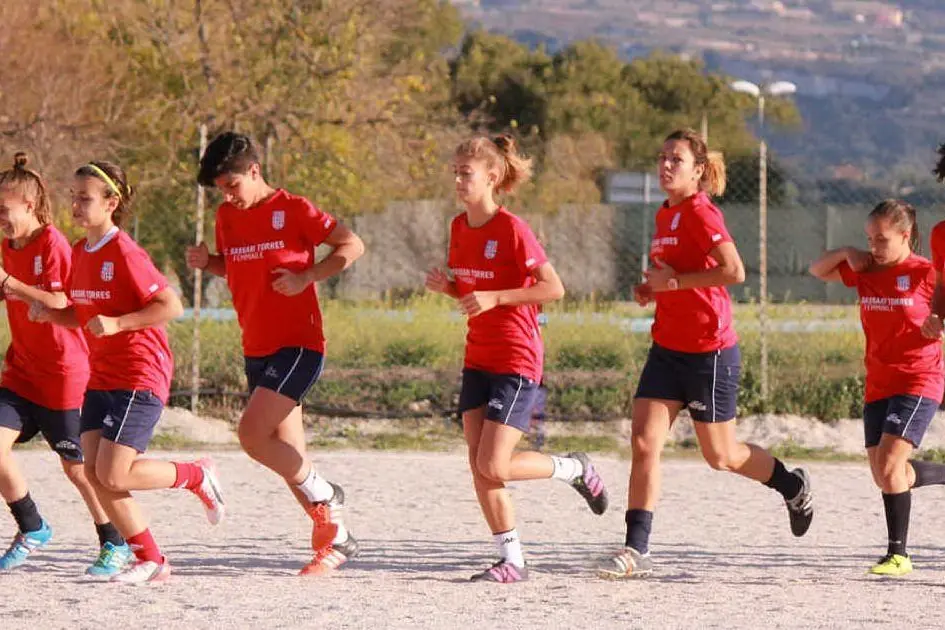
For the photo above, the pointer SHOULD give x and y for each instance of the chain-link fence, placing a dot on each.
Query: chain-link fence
(394, 354)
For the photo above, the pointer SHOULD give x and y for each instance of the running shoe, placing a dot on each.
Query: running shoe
(209, 491)
(144, 571)
(502, 572)
(25, 543)
(590, 485)
(801, 507)
(626, 563)
(111, 560)
(892, 565)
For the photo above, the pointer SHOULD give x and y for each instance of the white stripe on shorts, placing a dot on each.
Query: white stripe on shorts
(909, 421)
(291, 369)
(125, 417)
(715, 373)
(512, 405)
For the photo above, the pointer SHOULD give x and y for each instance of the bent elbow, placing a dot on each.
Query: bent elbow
(737, 275)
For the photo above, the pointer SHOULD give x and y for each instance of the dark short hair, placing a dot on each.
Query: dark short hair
(230, 152)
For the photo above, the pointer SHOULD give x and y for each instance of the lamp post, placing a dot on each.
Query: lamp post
(778, 88)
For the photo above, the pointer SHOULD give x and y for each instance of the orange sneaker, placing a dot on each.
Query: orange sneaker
(331, 557)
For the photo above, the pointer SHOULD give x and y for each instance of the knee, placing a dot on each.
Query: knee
(248, 437)
(111, 479)
(718, 460)
(889, 472)
(76, 473)
(644, 447)
(492, 470)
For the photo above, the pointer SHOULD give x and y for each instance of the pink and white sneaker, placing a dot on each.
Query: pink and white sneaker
(209, 491)
(145, 571)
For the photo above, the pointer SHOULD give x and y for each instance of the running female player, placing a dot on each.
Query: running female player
(123, 302)
(501, 276)
(904, 371)
(267, 239)
(46, 368)
(694, 361)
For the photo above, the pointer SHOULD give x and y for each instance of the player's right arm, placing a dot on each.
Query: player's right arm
(199, 257)
(438, 281)
(827, 267)
(67, 317)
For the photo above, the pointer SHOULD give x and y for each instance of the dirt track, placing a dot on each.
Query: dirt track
(725, 555)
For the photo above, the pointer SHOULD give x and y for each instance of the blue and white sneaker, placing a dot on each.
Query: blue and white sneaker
(23, 545)
(111, 560)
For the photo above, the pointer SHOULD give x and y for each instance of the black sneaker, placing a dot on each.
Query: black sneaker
(801, 507)
(590, 485)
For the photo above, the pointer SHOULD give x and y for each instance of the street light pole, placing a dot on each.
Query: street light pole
(775, 89)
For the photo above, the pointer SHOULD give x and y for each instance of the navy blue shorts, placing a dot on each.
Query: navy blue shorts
(289, 371)
(60, 427)
(706, 382)
(123, 416)
(508, 397)
(905, 416)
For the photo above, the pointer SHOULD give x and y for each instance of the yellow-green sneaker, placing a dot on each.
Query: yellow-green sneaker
(892, 565)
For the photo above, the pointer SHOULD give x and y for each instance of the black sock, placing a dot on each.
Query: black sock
(788, 484)
(897, 507)
(928, 473)
(639, 523)
(108, 533)
(26, 515)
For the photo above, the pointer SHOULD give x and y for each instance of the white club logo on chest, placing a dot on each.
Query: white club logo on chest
(902, 283)
(37, 265)
(492, 247)
(675, 222)
(108, 271)
(278, 219)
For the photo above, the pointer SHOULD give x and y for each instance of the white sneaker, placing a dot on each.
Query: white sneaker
(210, 493)
(142, 572)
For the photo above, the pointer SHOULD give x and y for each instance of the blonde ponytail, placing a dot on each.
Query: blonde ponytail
(713, 179)
(500, 154)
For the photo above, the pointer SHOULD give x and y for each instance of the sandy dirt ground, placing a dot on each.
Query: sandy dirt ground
(726, 558)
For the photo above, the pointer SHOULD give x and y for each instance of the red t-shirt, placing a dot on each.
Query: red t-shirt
(894, 302)
(45, 364)
(117, 278)
(502, 254)
(282, 232)
(937, 241)
(691, 320)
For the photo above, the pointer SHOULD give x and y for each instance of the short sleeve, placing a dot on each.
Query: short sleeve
(143, 277)
(937, 245)
(847, 274)
(529, 254)
(57, 263)
(316, 225)
(708, 228)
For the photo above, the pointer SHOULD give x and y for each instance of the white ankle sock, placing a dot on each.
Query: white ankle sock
(510, 547)
(567, 469)
(316, 489)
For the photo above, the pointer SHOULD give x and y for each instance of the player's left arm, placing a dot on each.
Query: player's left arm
(729, 270)
(346, 246)
(49, 299)
(547, 288)
(161, 308)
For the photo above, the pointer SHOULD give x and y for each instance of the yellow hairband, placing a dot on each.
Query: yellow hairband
(108, 180)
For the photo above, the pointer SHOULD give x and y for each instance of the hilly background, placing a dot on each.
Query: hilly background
(871, 75)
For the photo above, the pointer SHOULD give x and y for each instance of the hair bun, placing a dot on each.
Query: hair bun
(20, 160)
(505, 142)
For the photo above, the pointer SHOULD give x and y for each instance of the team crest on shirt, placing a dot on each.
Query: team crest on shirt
(492, 246)
(37, 265)
(675, 223)
(278, 219)
(108, 271)
(902, 283)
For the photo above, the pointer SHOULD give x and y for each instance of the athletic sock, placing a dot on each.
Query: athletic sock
(898, 507)
(26, 515)
(107, 532)
(315, 488)
(787, 483)
(510, 547)
(566, 469)
(639, 524)
(189, 475)
(928, 473)
(145, 548)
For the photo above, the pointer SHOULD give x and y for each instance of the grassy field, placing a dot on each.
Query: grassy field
(403, 359)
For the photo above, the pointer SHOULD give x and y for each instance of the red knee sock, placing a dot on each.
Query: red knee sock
(145, 548)
(189, 475)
